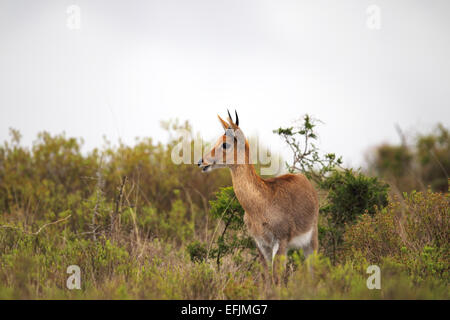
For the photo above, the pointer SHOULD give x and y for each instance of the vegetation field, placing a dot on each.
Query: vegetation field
(141, 227)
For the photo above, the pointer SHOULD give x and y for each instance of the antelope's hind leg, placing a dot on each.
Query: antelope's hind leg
(264, 255)
(263, 261)
(279, 260)
(312, 247)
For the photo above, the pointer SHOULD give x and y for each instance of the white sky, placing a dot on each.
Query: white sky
(134, 63)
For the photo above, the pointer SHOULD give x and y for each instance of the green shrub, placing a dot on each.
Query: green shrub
(197, 251)
(415, 233)
(227, 209)
(349, 196)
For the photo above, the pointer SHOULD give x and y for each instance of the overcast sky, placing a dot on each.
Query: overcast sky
(134, 63)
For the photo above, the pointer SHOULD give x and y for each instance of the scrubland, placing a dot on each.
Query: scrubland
(141, 227)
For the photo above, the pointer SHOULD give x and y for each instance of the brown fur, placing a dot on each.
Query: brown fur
(287, 206)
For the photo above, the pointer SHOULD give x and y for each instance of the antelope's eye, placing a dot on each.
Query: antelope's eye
(225, 145)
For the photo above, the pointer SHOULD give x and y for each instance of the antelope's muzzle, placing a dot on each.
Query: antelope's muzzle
(203, 165)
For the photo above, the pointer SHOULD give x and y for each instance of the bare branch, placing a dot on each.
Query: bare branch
(40, 229)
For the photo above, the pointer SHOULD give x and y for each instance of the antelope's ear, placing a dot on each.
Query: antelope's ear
(225, 125)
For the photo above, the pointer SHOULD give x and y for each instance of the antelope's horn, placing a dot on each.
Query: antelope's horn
(237, 118)
(229, 116)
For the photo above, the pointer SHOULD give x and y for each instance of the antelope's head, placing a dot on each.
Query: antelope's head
(229, 150)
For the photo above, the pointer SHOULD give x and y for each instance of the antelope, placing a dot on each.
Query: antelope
(280, 213)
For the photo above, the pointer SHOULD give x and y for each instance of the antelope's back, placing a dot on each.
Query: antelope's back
(295, 195)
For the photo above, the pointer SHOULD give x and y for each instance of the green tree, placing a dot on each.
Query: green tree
(350, 194)
(306, 156)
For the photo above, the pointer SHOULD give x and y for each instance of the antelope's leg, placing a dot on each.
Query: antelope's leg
(312, 247)
(279, 260)
(315, 239)
(308, 250)
(263, 260)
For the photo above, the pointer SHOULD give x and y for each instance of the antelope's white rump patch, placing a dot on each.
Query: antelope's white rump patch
(301, 241)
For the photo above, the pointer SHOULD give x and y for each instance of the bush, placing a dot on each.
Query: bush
(352, 194)
(415, 233)
(197, 251)
(415, 166)
(227, 209)
(349, 196)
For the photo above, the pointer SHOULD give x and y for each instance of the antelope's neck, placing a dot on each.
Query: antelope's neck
(249, 188)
